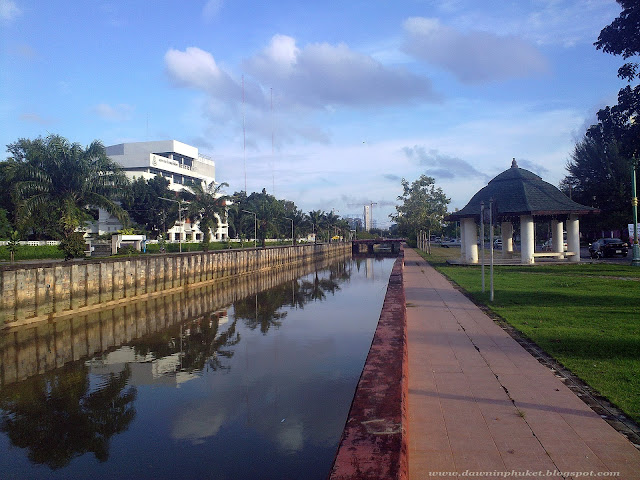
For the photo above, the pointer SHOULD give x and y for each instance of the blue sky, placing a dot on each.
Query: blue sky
(342, 99)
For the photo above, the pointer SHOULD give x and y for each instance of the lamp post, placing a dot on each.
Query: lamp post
(179, 202)
(292, 241)
(634, 203)
(255, 227)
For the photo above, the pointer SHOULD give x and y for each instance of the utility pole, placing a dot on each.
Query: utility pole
(634, 203)
(179, 202)
(255, 228)
(292, 240)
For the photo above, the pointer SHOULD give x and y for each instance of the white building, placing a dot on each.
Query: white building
(367, 217)
(179, 163)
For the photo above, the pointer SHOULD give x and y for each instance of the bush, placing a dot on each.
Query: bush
(128, 250)
(72, 246)
(29, 252)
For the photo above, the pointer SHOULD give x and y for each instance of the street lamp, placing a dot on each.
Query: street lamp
(292, 241)
(634, 203)
(179, 202)
(255, 227)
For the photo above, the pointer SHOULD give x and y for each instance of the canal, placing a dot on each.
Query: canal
(193, 385)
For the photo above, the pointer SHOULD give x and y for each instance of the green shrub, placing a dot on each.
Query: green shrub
(73, 246)
(30, 252)
(128, 250)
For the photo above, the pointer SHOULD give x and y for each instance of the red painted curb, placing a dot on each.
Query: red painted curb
(374, 443)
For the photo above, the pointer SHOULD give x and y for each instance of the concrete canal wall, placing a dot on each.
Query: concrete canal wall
(38, 292)
(374, 443)
(36, 348)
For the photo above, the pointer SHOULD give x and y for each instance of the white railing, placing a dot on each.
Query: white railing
(32, 243)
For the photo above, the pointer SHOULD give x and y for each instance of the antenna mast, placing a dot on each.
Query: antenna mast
(244, 141)
(273, 175)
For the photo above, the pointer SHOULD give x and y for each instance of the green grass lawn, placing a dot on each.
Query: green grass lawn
(586, 316)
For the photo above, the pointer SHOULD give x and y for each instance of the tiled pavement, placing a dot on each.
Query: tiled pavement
(479, 402)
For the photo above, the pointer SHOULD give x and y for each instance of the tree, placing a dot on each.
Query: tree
(269, 213)
(207, 206)
(600, 165)
(316, 219)
(423, 207)
(599, 177)
(621, 37)
(66, 181)
(5, 225)
(145, 206)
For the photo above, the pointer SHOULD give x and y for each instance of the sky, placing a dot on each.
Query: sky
(326, 103)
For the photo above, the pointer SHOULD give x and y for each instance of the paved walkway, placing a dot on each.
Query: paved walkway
(479, 402)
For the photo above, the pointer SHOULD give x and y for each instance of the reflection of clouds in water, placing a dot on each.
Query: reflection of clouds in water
(197, 424)
(290, 436)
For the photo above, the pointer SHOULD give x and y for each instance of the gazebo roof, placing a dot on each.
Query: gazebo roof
(516, 192)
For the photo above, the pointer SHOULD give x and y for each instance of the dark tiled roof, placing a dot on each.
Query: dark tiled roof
(517, 191)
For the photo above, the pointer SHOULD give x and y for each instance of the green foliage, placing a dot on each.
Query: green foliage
(72, 245)
(621, 37)
(146, 207)
(29, 252)
(207, 206)
(64, 181)
(128, 250)
(423, 207)
(5, 225)
(599, 177)
(13, 244)
(600, 166)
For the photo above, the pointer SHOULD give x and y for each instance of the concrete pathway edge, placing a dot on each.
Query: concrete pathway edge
(374, 443)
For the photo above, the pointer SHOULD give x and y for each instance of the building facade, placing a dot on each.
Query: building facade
(179, 163)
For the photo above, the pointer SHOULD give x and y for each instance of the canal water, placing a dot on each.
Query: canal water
(256, 389)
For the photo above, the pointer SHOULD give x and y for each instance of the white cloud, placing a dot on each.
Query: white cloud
(543, 22)
(118, 113)
(440, 165)
(196, 68)
(322, 75)
(35, 118)
(475, 57)
(318, 77)
(211, 9)
(9, 10)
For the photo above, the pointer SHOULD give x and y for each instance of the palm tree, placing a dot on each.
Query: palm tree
(316, 217)
(207, 206)
(67, 181)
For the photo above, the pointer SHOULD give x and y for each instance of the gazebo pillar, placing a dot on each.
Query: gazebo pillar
(557, 235)
(507, 238)
(463, 248)
(527, 243)
(573, 237)
(470, 240)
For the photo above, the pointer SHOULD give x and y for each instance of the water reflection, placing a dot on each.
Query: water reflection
(57, 417)
(258, 388)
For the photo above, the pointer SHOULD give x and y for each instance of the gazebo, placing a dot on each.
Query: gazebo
(520, 196)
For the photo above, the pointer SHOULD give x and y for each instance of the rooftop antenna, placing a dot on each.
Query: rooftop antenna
(273, 176)
(244, 140)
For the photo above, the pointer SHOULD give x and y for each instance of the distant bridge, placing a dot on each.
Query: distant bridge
(394, 243)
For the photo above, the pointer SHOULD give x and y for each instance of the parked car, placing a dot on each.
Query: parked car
(548, 245)
(608, 247)
(497, 244)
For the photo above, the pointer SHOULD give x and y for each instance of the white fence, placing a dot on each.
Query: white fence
(33, 243)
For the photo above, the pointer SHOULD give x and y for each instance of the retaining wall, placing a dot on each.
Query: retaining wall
(42, 291)
(374, 443)
(36, 348)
